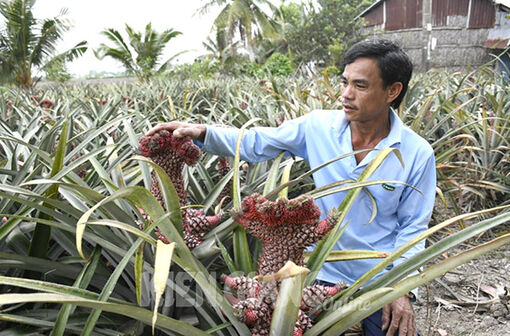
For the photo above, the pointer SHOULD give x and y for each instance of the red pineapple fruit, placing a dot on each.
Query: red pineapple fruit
(285, 228)
(315, 295)
(223, 169)
(171, 154)
(46, 104)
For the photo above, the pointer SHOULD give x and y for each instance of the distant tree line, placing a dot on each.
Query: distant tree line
(251, 37)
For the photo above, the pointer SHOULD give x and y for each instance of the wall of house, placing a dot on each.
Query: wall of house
(456, 46)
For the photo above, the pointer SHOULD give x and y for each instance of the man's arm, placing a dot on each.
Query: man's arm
(258, 143)
(180, 129)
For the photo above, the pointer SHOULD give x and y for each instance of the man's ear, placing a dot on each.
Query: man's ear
(393, 90)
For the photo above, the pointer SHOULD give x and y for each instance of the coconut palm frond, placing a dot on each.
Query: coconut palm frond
(26, 42)
(141, 56)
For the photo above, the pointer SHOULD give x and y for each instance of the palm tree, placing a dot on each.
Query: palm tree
(26, 42)
(245, 17)
(219, 48)
(142, 55)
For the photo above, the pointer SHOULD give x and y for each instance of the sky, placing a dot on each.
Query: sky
(90, 17)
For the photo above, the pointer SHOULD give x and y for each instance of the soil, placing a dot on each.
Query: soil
(473, 299)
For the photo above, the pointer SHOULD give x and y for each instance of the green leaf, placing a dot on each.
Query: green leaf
(212, 194)
(25, 320)
(82, 282)
(285, 178)
(420, 259)
(352, 255)
(272, 176)
(54, 288)
(338, 313)
(330, 188)
(288, 302)
(143, 315)
(298, 179)
(126, 227)
(324, 248)
(41, 236)
(242, 255)
(139, 274)
(226, 257)
(405, 286)
(162, 263)
(143, 198)
(108, 288)
(169, 193)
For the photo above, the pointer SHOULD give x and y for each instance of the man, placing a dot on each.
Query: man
(375, 79)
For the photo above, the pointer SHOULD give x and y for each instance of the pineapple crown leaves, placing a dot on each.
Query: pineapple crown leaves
(163, 143)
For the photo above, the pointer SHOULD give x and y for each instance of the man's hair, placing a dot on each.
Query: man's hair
(394, 64)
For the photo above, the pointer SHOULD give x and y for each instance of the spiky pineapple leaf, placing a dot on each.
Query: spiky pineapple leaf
(164, 323)
(300, 178)
(325, 246)
(288, 302)
(227, 258)
(139, 273)
(272, 175)
(108, 288)
(352, 255)
(242, 255)
(170, 196)
(285, 178)
(408, 284)
(41, 236)
(163, 259)
(82, 281)
(421, 258)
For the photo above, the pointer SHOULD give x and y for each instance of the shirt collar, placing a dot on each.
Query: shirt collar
(396, 127)
(340, 123)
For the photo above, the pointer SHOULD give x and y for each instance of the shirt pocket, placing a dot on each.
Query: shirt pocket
(387, 198)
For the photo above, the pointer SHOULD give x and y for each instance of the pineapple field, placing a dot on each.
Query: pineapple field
(107, 231)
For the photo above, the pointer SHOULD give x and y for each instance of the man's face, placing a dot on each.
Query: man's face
(363, 96)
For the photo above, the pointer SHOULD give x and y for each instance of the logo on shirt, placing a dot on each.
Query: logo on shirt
(388, 187)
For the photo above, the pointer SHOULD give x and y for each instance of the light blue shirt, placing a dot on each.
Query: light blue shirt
(321, 135)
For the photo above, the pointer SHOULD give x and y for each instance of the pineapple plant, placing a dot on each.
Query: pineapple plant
(172, 154)
(285, 228)
(108, 292)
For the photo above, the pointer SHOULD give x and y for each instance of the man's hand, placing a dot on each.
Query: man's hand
(179, 129)
(402, 318)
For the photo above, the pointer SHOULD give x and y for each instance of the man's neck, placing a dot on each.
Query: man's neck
(368, 134)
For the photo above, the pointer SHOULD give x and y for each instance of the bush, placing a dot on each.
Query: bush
(56, 71)
(332, 71)
(250, 68)
(200, 68)
(278, 65)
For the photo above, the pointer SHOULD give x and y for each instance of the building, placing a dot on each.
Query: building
(443, 34)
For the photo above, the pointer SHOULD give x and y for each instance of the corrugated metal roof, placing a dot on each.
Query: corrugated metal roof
(496, 43)
(499, 36)
(375, 4)
(505, 3)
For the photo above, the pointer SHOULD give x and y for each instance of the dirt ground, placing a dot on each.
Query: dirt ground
(473, 299)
